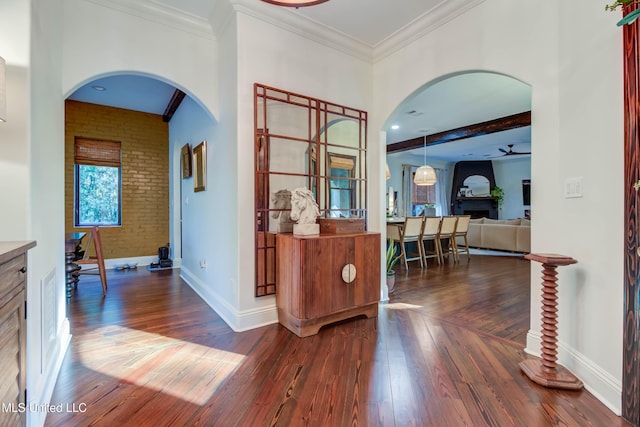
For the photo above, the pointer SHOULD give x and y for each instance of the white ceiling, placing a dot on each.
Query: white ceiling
(462, 100)
(369, 21)
(131, 92)
(444, 105)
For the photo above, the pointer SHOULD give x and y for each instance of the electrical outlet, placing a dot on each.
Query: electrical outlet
(203, 264)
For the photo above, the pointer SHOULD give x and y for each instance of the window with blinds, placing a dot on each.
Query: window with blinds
(423, 194)
(98, 178)
(341, 194)
(97, 152)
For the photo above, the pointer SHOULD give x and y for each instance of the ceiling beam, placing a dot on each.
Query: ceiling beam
(173, 105)
(497, 125)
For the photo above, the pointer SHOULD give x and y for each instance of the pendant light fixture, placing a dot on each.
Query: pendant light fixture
(425, 175)
(294, 3)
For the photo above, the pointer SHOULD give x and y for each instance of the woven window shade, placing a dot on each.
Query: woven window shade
(423, 194)
(341, 162)
(97, 152)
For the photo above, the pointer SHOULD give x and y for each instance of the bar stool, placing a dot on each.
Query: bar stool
(430, 234)
(462, 228)
(448, 231)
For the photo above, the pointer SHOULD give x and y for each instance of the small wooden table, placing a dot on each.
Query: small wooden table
(71, 242)
(546, 371)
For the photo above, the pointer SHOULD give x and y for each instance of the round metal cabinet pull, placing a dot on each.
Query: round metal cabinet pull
(23, 270)
(349, 273)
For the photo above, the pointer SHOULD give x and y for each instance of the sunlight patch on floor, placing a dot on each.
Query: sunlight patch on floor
(188, 371)
(401, 306)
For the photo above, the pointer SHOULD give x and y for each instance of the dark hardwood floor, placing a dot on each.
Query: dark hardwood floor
(443, 352)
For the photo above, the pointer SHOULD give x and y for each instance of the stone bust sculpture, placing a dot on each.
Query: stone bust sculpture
(304, 210)
(281, 199)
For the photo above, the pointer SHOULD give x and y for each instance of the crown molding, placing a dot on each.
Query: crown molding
(288, 20)
(434, 18)
(161, 14)
(221, 16)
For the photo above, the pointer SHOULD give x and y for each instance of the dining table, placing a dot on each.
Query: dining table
(71, 243)
(395, 220)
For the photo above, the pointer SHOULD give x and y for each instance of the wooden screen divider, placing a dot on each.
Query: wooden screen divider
(631, 367)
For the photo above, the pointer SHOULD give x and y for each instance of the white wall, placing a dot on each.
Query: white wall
(31, 172)
(14, 133)
(509, 174)
(46, 205)
(571, 56)
(206, 216)
(590, 140)
(101, 38)
(276, 57)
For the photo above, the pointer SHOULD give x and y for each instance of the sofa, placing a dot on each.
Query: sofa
(513, 235)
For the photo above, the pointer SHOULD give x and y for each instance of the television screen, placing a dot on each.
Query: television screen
(526, 192)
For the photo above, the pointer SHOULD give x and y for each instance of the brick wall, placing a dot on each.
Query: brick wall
(145, 175)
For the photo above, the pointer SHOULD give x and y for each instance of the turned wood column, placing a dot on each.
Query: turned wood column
(546, 371)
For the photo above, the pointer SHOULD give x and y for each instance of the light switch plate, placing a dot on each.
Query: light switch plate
(573, 187)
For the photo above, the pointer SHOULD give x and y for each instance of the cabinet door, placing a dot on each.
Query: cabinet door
(367, 256)
(324, 291)
(12, 360)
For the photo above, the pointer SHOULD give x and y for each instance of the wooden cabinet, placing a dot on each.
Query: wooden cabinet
(13, 331)
(314, 287)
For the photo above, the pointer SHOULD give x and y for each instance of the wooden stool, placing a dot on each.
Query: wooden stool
(546, 371)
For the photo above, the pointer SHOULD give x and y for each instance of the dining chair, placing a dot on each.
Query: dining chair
(430, 234)
(462, 228)
(407, 233)
(394, 232)
(97, 259)
(448, 231)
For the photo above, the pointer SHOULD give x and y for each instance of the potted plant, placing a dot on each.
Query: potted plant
(498, 194)
(392, 258)
(629, 17)
(429, 209)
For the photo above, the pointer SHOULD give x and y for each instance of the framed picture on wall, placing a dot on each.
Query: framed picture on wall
(185, 161)
(200, 166)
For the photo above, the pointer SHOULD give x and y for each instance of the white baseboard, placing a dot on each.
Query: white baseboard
(237, 320)
(604, 386)
(50, 376)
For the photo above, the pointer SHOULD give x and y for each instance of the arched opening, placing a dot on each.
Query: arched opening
(469, 116)
(136, 112)
(475, 119)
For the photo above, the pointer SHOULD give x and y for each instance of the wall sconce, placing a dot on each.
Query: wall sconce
(294, 3)
(3, 92)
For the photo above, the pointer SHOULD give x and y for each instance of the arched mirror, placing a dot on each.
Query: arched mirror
(477, 186)
(303, 142)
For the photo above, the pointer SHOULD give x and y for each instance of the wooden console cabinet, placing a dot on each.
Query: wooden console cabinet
(316, 284)
(13, 331)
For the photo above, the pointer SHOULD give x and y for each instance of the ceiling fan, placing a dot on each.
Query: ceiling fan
(511, 152)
